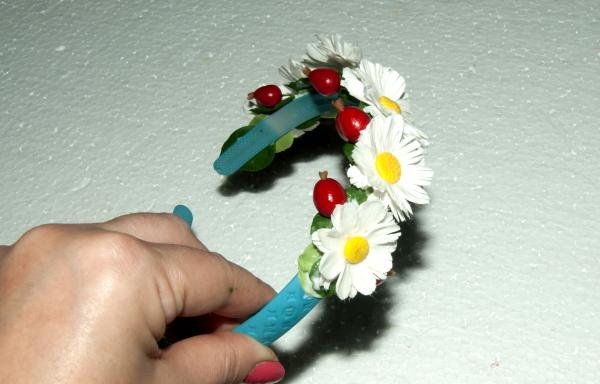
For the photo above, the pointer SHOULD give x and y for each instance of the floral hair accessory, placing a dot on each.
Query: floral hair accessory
(356, 228)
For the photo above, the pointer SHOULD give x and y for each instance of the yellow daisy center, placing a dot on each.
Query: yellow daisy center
(356, 249)
(389, 104)
(388, 167)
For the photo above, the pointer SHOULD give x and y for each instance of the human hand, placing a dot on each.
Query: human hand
(88, 303)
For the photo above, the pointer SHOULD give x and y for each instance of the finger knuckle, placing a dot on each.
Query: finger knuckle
(39, 237)
(114, 251)
(41, 233)
(165, 221)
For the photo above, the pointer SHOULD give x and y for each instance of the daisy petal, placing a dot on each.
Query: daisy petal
(362, 279)
(357, 178)
(379, 262)
(344, 284)
(331, 266)
(349, 217)
(293, 71)
(371, 212)
(353, 84)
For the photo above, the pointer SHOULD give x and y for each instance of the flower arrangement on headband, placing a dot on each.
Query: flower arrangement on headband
(356, 227)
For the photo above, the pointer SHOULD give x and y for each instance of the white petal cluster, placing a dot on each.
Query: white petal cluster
(332, 51)
(329, 51)
(293, 71)
(357, 250)
(392, 164)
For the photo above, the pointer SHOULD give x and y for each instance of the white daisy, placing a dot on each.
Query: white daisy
(382, 88)
(392, 164)
(332, 51)
(357, 251)
(293, 71)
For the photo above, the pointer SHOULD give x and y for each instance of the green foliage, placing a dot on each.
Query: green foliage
(258, 162)
(348, 99)
(306, 262)
(309, 123)
(322, 292)
(308, 258)
(347, 148)
(329, 114)
(356, 194)
(260, 110)
(284, 142)
(308, 269)
(319, 222)
(300, 84)
(257, 119)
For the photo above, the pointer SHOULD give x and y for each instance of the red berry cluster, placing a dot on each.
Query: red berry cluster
(325, 81)
(349, 122)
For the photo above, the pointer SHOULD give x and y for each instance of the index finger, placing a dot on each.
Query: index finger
(154, 228)
(205, 282)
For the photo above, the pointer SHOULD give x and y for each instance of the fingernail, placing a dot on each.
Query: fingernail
(267, 372)
(184, 213)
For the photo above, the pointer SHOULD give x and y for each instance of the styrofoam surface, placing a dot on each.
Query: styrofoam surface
(115, 107)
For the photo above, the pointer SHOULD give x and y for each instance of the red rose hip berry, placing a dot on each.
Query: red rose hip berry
(327, 194)
(350, 121)
(326, 81)
(266, 96)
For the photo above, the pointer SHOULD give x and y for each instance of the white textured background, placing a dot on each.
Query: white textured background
(112, 107)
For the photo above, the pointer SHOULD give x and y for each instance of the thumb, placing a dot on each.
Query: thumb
(217, 358)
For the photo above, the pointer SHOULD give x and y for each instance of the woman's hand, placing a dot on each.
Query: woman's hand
(89, 303)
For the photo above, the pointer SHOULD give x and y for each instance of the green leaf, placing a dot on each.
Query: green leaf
(314, 268)
(329, 114)
(284, 142)
(309, 123)
(308, 258)
(331, 291)
(307, 286)
(348, 99)
(300, 84)
(356, 194)
(257, 119)
(314, 271)
(306, 265)
(258, 162)
(261, 161)
(347, 148)
(308, 269)
(260, 110)
(319, 222)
